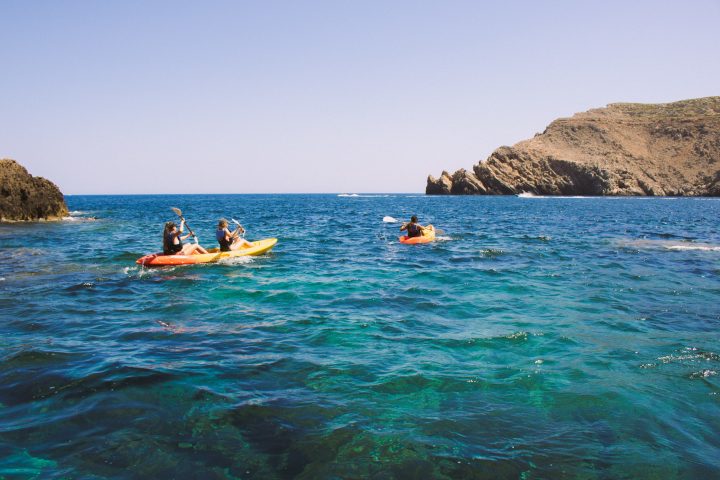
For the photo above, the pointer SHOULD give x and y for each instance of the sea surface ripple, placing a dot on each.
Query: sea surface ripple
(537, 338)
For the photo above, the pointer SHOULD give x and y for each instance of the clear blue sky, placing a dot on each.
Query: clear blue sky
(322, 96)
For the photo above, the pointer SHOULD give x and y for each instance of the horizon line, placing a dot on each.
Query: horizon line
(264, 193)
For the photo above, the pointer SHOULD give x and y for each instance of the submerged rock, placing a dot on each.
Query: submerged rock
(624, 149)
(27, 198)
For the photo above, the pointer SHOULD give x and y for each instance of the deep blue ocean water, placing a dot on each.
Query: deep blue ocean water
(537, 338)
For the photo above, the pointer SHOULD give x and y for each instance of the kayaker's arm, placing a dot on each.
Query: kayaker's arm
(403, 227)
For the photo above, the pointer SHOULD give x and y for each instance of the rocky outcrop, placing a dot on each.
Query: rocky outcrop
(26, 198)
(668, 149)
(440, 186)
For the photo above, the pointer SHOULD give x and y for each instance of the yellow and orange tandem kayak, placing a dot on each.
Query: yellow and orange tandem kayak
(214, 254)
(427, 237)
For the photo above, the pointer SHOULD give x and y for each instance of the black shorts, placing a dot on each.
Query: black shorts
(173, 249)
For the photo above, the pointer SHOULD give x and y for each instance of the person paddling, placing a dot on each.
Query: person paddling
(413, 228)
(172, 241)
(230, 240)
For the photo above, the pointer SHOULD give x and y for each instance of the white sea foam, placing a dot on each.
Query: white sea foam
(78, 216)
(142, 271)
(707, 248)
(236, 260)
(355, 195)
(579, 197)
(675, 245)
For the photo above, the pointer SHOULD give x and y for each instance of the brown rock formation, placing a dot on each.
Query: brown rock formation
(26, 198)
(624, 149)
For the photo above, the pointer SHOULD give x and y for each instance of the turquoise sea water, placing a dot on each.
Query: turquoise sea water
(538, 338)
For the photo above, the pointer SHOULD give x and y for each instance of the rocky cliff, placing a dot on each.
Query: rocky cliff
(24, 197)
(624, 149)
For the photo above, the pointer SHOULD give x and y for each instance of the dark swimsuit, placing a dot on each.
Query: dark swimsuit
(413, 230)
(224, 243)
(169, 248)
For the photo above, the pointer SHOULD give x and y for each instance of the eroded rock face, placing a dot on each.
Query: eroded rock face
(27, 198)
(439, 186)
(624, 149)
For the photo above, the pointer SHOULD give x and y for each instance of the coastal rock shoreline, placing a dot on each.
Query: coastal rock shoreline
(624, 149)
(24, 198)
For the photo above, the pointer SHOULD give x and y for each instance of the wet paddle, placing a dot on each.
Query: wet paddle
(239, 226)
(178, 212)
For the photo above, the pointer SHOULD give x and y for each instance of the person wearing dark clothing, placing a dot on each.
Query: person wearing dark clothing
(414, 229)
(172, 241)
(230, 240)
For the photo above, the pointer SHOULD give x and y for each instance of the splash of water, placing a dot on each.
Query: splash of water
(236, 260)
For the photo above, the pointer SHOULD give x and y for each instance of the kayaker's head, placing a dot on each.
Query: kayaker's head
(222, 223)
(169, 227)
(413, 219)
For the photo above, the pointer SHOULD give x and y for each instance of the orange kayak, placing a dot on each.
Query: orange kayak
(158, 259)
(427, 237)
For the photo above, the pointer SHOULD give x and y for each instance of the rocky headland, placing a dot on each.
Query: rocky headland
(27, 198)
(670, 149)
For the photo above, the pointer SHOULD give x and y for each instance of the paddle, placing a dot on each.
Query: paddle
(178, 212)
(240, 226)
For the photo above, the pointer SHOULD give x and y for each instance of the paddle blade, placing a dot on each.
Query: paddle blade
(239, 226)
(389, 219)
(177, 211)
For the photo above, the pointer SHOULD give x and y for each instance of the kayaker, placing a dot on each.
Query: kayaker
(172, 241)
(413, 228)
(230, 240)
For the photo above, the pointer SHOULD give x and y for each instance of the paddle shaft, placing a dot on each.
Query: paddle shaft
(178, 212)
(239, 227)
(188, 226)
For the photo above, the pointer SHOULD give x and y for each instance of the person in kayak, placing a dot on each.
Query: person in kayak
(414, 229)
(230, 240)
(172, 241)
